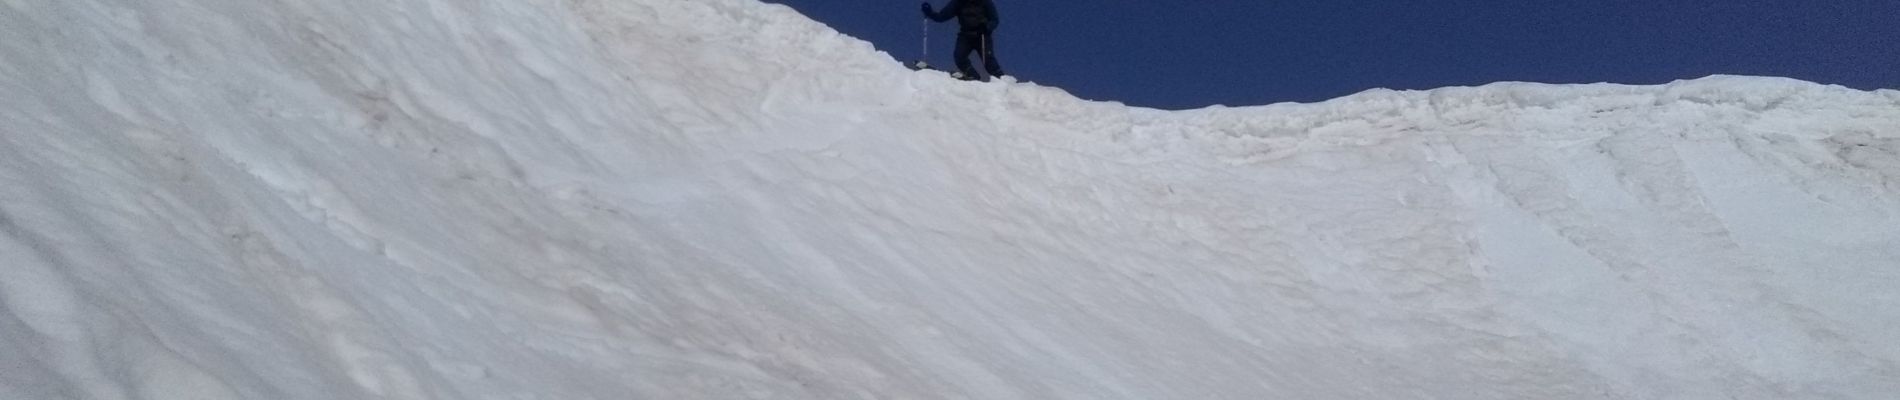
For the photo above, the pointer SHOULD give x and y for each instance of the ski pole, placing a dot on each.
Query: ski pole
(926, 59)
(986, 48)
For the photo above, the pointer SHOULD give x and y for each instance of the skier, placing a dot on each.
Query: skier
(978, 20)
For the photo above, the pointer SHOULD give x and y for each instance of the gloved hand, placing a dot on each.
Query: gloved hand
(928, 10)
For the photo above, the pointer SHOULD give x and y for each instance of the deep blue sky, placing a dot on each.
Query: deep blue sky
(1190, 53)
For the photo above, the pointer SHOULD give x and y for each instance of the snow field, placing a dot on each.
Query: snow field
(672, 199)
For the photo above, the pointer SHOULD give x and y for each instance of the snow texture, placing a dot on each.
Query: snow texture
(722, 199)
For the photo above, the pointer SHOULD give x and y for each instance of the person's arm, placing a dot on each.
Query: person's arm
(994, 20)
(943, 15)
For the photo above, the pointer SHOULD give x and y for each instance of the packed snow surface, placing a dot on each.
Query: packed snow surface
(722, 199)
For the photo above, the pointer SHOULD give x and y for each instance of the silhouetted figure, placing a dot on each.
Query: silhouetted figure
(978, 20)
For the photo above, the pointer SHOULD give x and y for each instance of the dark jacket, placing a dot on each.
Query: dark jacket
(976, 16)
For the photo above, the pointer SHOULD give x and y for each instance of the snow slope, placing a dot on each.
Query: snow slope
(721, 199)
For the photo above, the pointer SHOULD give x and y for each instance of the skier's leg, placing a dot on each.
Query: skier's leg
(989, 56)
(966, 44)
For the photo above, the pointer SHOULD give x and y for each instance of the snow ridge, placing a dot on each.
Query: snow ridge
(591, 199)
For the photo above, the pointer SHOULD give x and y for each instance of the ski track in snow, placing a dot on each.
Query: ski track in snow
(721, 199)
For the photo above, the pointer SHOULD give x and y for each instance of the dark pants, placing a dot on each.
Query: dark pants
(968, 42)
